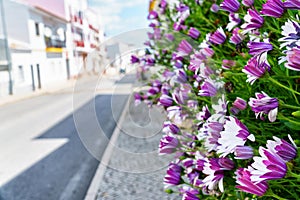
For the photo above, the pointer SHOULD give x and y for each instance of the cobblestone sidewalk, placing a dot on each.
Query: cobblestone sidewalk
(135, 171)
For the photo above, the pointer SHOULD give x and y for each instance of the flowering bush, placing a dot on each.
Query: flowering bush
(228, 76)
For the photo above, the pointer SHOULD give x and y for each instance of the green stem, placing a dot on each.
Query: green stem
(280, 116)
(283, 86)
(271, 194)
(290, 106)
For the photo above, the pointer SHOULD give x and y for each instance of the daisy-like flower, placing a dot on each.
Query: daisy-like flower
(256, 68)
(293, 59)
(234, 20)
(190, 194)
(240, 103)
(137, 99)
(134, 59)
(243, 179)
(184, 48)
(230, 5)
(175, 113)
(273, 8)
(208, 88)
(212, 131)
(253, 21)
(180, 95)
(168, 144)
(169, 127)
(152, 15)
(181, 76)
(220, 107)
(258, 48)
(237, 37)
(267, 166)
(243, 152)
(165, 100)
(263, 104)
(282, 148)
(215, 168)
(235, 134)
(193, 33)
(227, 64)
(292, 4)
(204, 114)
(291, 33)
(214, 8)
(247, 3)
(218, 37)
(173, 176)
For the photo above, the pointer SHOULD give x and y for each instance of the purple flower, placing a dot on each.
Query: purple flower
(292, 4)
(253, 21)
(169, 37)
(204, 114)
(165, 100)
(243, 152)
(181, 76)
(247, 3)
(153, 91)
(240, 103)
(214, 168)
(156, 83)
(175, 113)
(218, 37)
(234, 20)
(184, 48)
(215, 8)
(291, 33)
(255, 69)
(193, 33)
(293, 59)
(152, 15)
(180, 96)
(258, 48)
(208, 89)
(243, 178)
(190, 194)
(282, 148)
(263, 104)
(273, 8)
(227, 64)
(268, 166)
(134, 59)
(192, 104)
(137, 99)
(212, 131)
(170, 128)
(236, 37)
(168, 144)
(230, 5)
(235, 134)
(165, 88)
(173, 176)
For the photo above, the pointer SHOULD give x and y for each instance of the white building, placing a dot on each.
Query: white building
(48, 42)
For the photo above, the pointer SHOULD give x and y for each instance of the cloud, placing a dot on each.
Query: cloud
(112, 16)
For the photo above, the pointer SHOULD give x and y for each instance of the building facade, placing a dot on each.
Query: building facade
(45, 43)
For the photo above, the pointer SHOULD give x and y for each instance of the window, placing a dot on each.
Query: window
(37, 29)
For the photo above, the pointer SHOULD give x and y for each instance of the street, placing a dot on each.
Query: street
(42, 155)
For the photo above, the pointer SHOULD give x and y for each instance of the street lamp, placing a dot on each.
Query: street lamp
(7, 52)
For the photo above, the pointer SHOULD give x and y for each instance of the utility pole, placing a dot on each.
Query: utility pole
(7, 51)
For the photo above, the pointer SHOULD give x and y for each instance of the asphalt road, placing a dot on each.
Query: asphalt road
(42, 156)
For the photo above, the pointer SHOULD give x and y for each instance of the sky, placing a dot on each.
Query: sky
(118, 16)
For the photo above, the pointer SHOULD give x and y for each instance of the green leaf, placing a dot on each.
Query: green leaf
(293, 125)
(296, 114)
